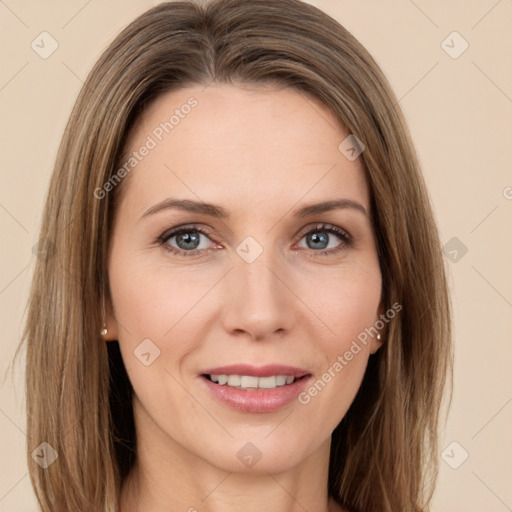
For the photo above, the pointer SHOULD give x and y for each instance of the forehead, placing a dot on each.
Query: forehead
(245, 144)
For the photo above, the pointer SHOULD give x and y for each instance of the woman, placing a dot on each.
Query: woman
(242, 301)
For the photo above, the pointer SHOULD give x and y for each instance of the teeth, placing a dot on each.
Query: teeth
(249, 381)
(233, 380)
(267, 382)
(282, 380)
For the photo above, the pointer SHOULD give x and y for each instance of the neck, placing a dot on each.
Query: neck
(173, 478)
(137, 497)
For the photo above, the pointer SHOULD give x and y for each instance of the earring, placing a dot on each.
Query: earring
(378, 335)
(104, 331)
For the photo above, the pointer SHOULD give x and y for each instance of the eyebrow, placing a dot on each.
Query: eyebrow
(219, 212)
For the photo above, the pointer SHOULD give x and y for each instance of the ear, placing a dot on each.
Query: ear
(110, 321)
(376, 343)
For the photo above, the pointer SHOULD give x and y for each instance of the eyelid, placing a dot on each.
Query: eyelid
(186, 227)
(327, 227)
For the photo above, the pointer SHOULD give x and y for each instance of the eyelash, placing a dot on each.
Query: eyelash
(346, 238)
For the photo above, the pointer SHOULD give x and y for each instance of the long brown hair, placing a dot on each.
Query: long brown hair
(384, 451)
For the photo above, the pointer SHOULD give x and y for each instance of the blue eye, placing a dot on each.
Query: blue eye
(187, 240)
(320, 238)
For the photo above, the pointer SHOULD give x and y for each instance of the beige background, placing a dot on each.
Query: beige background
(459, 111)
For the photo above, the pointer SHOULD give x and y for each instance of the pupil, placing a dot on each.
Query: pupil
(322, 239)
(188, 239)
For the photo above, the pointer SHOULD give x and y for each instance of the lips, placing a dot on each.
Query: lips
(256, 400)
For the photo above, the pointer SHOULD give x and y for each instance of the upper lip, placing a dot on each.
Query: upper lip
(267, 370)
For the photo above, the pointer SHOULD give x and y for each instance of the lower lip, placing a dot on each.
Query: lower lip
(256, 400)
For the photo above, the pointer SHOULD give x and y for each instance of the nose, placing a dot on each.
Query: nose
(258, 301)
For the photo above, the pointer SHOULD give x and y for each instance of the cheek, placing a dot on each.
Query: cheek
(348, 308)
(148, 305)
(159, 304)
(150, 300)
(346, 301)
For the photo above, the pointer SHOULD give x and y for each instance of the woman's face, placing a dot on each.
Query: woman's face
(250, 281)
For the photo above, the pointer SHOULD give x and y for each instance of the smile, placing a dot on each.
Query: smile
(254, 389)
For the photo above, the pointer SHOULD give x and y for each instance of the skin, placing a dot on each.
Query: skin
(260, 153)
